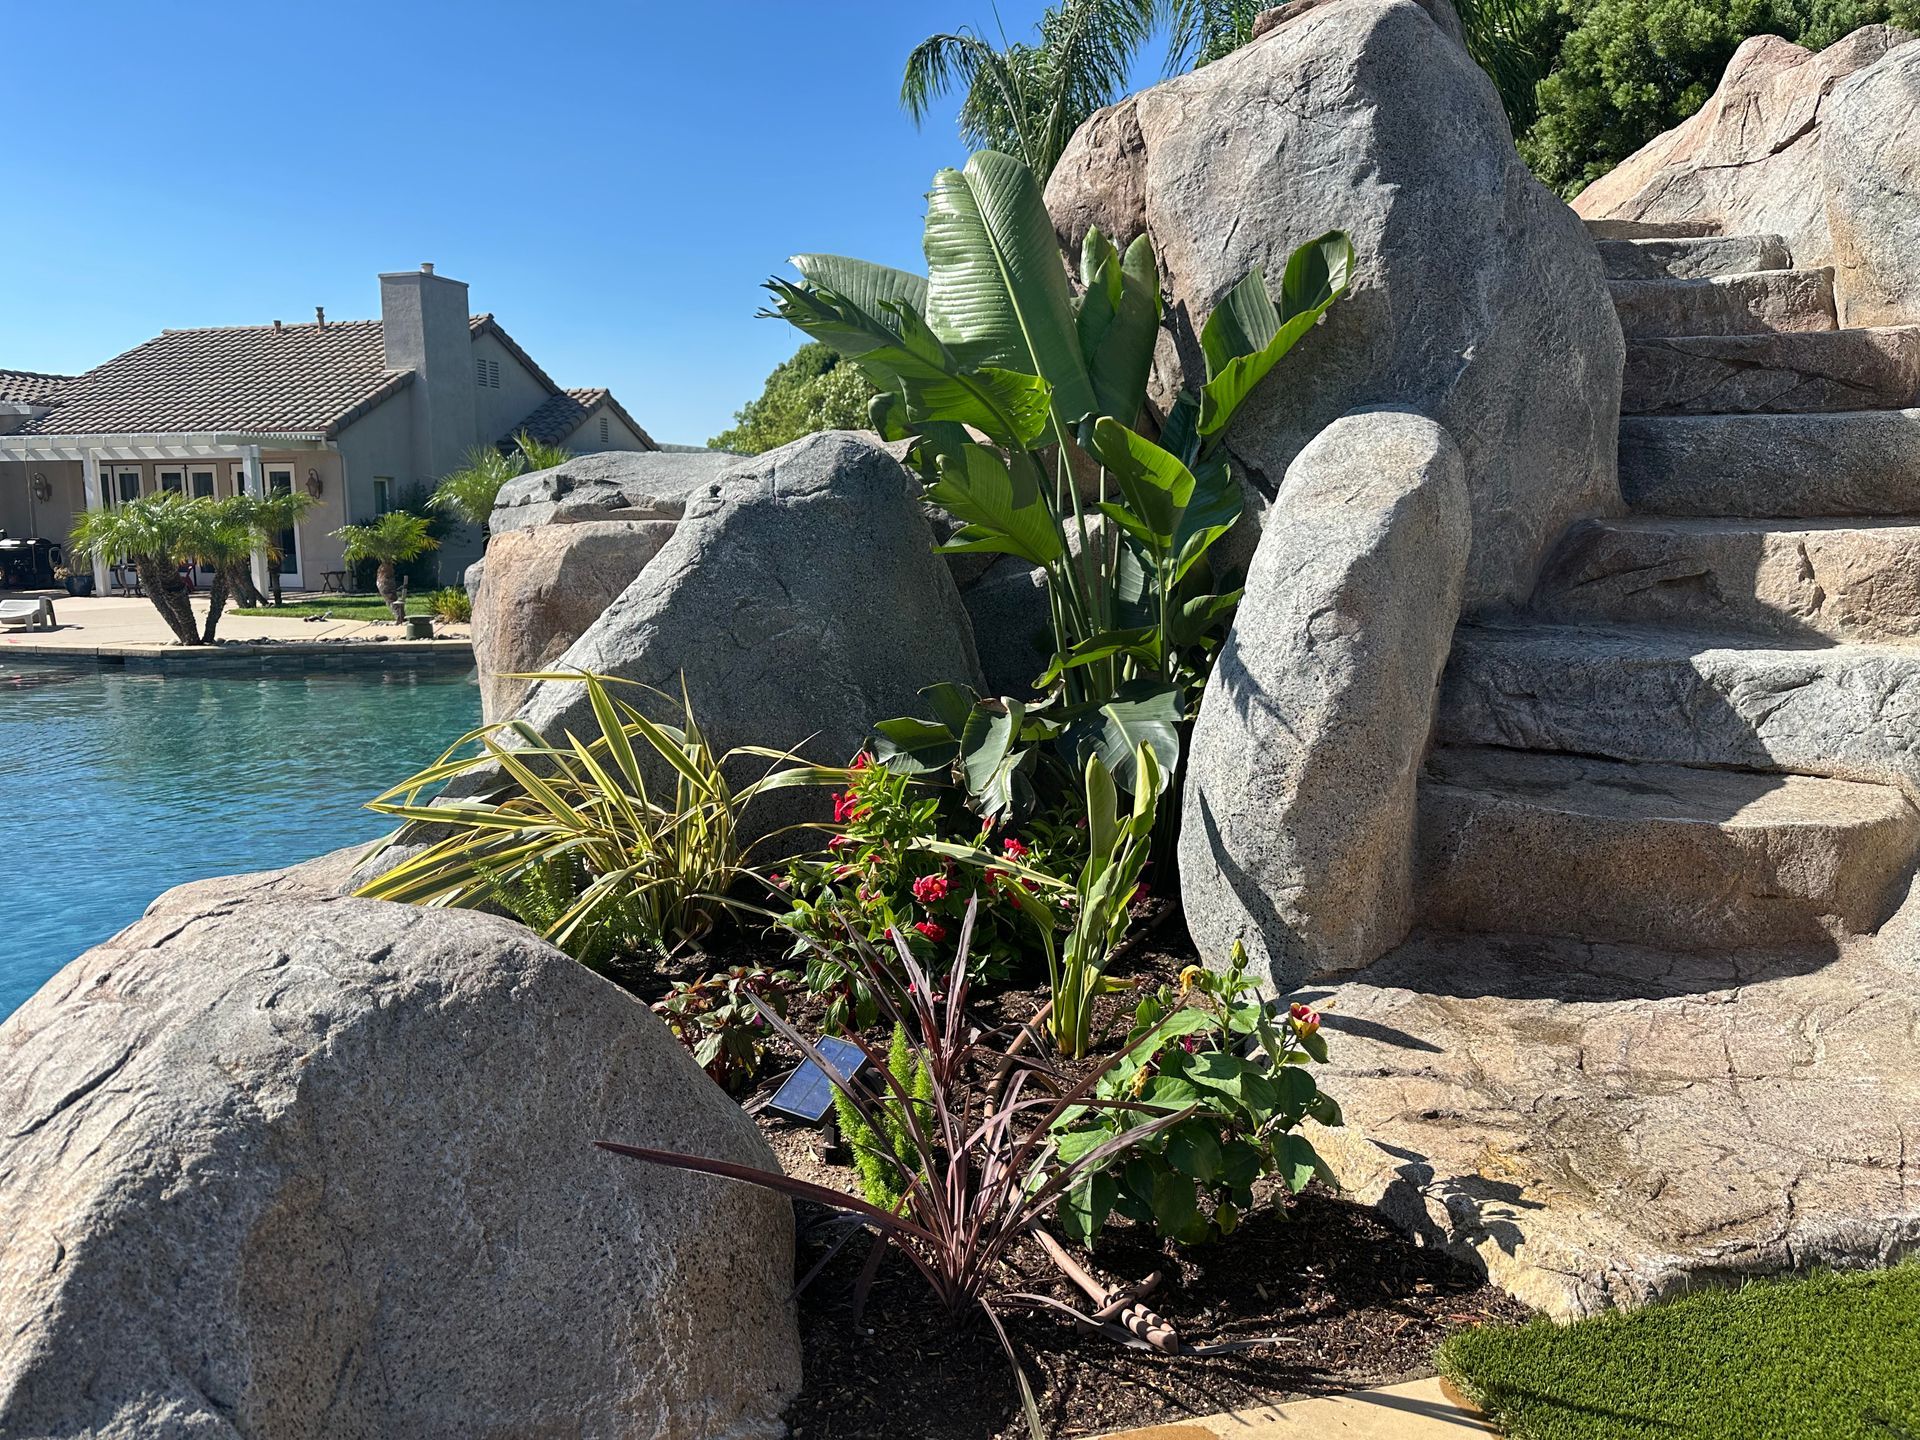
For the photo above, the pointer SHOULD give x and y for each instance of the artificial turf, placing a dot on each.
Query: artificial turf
(1828, 1357)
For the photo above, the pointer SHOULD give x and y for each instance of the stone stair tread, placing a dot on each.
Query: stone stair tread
(1606, 229)
(1665, 792)
(1856, 462)
(1779, 372)
(1841, 579)
(1753, 303)
(1655, 853)
(1688, 696)
(1692, 257)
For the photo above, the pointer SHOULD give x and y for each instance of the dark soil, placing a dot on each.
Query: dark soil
(1345, 1300)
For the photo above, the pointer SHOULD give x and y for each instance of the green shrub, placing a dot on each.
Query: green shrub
(882, 1141)
(812, 390)
(639, 858)
(716, 1018)
(1209, 1044)
(451, 603)
(1624, 71)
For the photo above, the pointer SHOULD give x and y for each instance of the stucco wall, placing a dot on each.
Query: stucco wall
(496, 412)
(53, 518)
(586, 440)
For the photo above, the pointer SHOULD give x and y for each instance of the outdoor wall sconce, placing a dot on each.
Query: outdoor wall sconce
(315, 487)
(42, 487)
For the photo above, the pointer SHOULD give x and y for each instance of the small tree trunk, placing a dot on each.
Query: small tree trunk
(169, 597)
(216, 602)
(239, 578)
(273, 577)
(383, 581)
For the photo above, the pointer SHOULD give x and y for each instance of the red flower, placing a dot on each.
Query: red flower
(840, 872)
(933, 930)
(839, 841)
(1305, 1018)
(994, 875)
(1011, 846)
(847, 807)
(930, 889)
(779, 882)
(860, 761)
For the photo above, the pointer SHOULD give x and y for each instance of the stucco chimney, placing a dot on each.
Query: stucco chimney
(425, 328)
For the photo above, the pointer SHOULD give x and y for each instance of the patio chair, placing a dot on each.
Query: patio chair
(35, 614)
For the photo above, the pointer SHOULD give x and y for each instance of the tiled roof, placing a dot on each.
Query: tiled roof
(21, 387)
(564, 413)
(250, 379)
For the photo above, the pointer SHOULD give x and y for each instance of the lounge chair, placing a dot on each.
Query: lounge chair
(35, 614)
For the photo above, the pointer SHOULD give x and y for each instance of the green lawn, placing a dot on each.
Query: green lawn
(1831, 1357)
(343, 607)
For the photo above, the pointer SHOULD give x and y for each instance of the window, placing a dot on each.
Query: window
(486, 373)
(382, 494)
(173, 482)
(603, 429)
(202, 484)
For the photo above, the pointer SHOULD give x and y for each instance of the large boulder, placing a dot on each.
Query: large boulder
(280, 1164)
(1750, 161)
(612, 485)
(542, 587)
(1297, 835)
(1873, 191)
(800, 601)
(1479, 298)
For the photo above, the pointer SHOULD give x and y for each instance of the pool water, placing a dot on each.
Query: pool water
(116, 784)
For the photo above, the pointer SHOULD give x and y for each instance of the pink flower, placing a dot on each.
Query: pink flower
(930, 889)
(933, 930)
(847, 807)
(1304, 1017)
(860, 761)
(779, 882)
(839, 842)
(840, 872)
(1011, 846)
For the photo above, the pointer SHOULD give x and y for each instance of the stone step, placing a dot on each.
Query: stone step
(1859, 462)
(1779, 373)
(1804, 579)
(1645, 854)
(1693, 258)
(1849, 712)
(1649, 229)
(1764, 300)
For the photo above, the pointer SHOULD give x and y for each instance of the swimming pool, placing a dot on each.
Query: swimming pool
(115, 784)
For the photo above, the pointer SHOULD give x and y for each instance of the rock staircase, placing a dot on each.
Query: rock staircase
(1705, 739)
(1657, 1018)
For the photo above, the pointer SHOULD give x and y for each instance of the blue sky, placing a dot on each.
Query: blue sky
(613, 180)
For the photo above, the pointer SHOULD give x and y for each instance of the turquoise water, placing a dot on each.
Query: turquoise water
(116, 784)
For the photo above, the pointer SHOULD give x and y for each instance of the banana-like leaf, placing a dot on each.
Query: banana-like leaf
(989, 753)
(1140, 644)
(1008, 407)
(1156, 485)
(1118, 324)
(1144, 714)
(874, 288)
(1003, 509)
(1214, 508)
(914, 746)
(997, 292)
(1317, 275)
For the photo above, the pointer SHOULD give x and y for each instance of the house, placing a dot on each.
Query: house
(357, 413)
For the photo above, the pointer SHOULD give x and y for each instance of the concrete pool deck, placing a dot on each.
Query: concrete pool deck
(125, 630)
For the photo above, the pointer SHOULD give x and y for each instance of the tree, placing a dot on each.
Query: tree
(269, 516)
(1027, 99)
(470, 491)
(389, 542)
(221, 535)
(1621, 72)
(812, 390)
(155, 534)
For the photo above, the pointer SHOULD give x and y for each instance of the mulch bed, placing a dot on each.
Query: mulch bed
(1347, 1300)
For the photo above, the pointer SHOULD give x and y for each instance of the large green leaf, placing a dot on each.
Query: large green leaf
(997, 292)
(1156, 485)
(871, 287)
(913, 745)
(1145, 713)
(1003, 510)
(1317, 275)
(990, 753)
(1119, 323)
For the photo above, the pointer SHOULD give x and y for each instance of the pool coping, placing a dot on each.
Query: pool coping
(247, 654)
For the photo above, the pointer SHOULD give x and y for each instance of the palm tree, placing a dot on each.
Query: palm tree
(1027, 99)
(221, 535)
(268, 517)
(390, 541)
(155, 534)
(470, 491)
